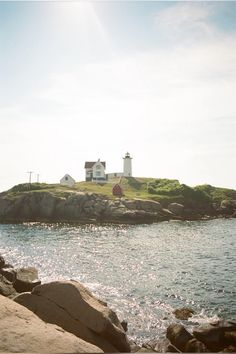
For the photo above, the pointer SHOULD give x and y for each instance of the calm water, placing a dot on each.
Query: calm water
(143, 271)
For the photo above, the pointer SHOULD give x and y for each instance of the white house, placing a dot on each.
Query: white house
(95, 171)
(67, 180)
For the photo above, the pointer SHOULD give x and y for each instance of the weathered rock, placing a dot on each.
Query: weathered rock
(140, 204)
(159, 345)
(26, 279)
(195, 346)
(6, 287)
(214, 335)
(176, 208)
(50, 312)
(183, 313)
(2, 262)
(230, 338)
(80, 304)
(178, 336)
(22, 331)
(9, 273)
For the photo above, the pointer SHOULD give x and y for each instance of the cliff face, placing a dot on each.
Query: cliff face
(83, 207)
(77, 207)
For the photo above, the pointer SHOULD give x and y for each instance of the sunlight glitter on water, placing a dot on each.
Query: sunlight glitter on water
(142, 271)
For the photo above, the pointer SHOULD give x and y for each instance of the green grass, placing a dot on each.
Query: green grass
(162, 190)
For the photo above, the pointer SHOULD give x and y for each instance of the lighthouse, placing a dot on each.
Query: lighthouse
(127, 172)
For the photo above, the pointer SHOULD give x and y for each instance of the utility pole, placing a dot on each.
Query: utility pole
(37, 177)
(30, 173)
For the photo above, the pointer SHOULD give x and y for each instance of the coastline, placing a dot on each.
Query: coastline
(87, 208)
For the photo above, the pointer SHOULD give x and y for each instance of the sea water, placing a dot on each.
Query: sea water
(144, 272)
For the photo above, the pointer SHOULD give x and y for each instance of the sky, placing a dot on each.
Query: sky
(83, 80)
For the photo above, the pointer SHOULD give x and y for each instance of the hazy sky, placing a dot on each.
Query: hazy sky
(86, 80)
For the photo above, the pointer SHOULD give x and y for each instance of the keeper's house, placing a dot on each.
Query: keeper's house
(95, 171)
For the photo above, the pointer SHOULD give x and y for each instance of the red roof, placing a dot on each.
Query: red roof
(89, 164)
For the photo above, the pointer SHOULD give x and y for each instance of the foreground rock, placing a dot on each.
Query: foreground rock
(183, 313)
(13, 281)
(71, 306)
(22, 331)
(26, 279)
(213, 337)
(217, 336)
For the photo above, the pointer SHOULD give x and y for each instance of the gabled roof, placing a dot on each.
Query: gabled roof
(68, 176)
(89, 164)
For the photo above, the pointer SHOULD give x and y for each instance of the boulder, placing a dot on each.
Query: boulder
(50, 312)
(214, 335)
(26, 279)
(82, 306)
(195, 346)
(178, 336)
(176, 208)
(6, 287)
(9, 273)
(183, 313)
(22, 331)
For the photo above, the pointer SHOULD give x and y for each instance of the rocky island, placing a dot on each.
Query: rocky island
(144, 201)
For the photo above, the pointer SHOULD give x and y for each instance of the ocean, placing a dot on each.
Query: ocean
(143, 272)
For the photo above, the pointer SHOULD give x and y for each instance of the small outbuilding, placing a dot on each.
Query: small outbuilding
(117, 190)
(67, 180)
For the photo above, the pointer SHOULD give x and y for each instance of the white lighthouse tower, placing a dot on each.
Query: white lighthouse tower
(127, 172)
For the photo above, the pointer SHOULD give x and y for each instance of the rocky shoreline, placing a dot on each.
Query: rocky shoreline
(81, 207)
(64, 317)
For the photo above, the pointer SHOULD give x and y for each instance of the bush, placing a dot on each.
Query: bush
(24, 187)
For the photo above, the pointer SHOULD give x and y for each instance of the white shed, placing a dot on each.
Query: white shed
(67, 180)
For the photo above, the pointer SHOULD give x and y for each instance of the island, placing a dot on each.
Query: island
(143, 200)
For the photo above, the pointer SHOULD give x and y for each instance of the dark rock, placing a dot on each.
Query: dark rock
(195, 346)
(214, 335)
(2, 262)
(124, 324)
(183, 313)
(230, 338)
(178, 336)
(176, 208)
(26, 279)
(8, 273)
(6, 287)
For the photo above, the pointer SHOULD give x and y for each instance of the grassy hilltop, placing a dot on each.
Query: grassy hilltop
(162, 190)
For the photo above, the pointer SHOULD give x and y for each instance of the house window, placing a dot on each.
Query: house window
(66, 178)
(98, 173)
(98, 167)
